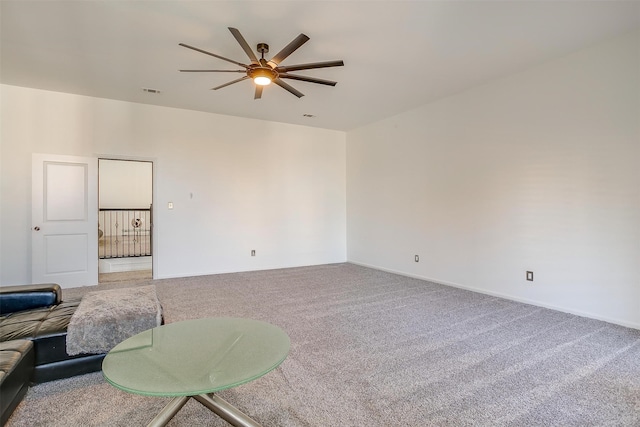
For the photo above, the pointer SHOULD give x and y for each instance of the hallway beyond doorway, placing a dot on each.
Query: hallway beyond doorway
(125, 276)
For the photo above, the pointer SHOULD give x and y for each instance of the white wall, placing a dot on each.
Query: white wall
(125, 184)
(282, 194)
(539, 171)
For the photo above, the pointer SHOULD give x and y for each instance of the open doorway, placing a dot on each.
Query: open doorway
(125, 200)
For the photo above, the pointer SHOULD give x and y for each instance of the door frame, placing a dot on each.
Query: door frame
(154, 192)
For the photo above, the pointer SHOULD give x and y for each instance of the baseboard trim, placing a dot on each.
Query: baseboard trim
(620, 322)
(119, 265)
(250, 270)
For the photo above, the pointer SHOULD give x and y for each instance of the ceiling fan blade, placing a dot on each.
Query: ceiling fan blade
(308, 79)
(214, 55)
(245, 46)
(230, 83)
(288, 50)
(213, 71)
(285, 86)
(258, 94)
(310, 66)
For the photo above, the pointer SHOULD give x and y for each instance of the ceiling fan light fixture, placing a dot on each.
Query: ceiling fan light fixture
(262, 76)
(262, 80)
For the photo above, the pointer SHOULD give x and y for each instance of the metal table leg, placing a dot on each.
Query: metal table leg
(168, 412)
(226, 411)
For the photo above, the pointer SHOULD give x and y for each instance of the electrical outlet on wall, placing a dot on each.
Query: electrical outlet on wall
(253, 252)
(417, 258)
(530, 276)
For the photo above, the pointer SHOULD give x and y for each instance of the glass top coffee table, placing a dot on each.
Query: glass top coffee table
(194, 359)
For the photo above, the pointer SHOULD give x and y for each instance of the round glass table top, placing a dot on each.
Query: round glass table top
(195, 356)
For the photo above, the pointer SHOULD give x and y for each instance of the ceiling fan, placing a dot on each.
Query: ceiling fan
(264, 72)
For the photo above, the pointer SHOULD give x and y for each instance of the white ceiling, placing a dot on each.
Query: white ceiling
(398, 54)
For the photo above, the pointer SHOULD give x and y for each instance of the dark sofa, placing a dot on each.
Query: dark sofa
(33, 331)
(16, 366)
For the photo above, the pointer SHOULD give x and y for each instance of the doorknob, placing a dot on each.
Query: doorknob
(36, 228)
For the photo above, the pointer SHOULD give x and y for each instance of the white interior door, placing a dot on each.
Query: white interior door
(65, 220)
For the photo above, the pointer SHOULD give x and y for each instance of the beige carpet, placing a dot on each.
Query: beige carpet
(369, 348)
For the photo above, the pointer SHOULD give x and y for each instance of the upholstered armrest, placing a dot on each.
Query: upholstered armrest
(27, 297)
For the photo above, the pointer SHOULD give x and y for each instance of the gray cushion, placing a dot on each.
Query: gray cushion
(106, 318)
